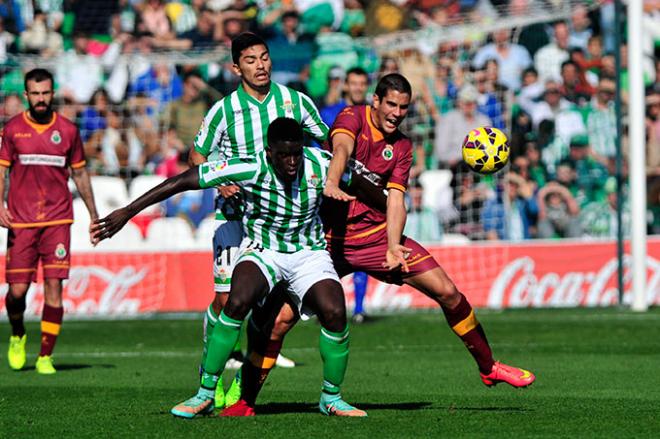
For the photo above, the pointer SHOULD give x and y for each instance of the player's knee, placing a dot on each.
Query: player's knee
(237, 307)
(18, 291)
(333, 319)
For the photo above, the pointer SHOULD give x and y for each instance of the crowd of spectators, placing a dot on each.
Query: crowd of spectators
(550, 86)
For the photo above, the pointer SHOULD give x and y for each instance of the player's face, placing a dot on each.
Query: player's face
(356, 88)
(254, 67)
(287, 159)
(40, 98)
(391, 110)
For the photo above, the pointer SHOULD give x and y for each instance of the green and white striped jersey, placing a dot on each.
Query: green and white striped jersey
(277, 216)
(236, 126)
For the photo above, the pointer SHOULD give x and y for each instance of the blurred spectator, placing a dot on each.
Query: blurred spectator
(549, 58)
(512, 59)
(653, 136)
(537, 172)
(120, 146)
(333, 49)
(590, 173)
(161, 84)
(469, 196)
(532, 37)
(558, 213)
(440, 89)
(422, 223)
(319, 14)
(492, 68)
(270, 13)
(11, 106)
(353, 92)
(153, 21)
(511, 214)
(206, 34)
(78, 74)
(600, 121)
(452, 128)
(185, 114)
(556, 122)
(574, 87)
(7, 41)
(192, 206)
(599, 219)
(580, 27)
(290, 49)
(354, 18)
(40, 38)
(66, 107)
(93, 117)
(608, 25)
(487, 101)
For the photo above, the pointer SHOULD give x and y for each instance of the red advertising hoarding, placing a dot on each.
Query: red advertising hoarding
(534, 274)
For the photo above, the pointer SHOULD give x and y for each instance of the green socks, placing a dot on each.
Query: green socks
(220, 345)
(334, 353)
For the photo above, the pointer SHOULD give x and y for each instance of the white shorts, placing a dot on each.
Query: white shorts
(301, 270)
(226, 241)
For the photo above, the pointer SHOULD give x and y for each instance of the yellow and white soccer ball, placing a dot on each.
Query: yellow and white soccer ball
(486, 150)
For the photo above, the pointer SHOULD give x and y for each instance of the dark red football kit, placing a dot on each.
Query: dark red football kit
(357, 233)
(39, 157)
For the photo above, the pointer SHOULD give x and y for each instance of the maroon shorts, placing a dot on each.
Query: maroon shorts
(368, 254)
(25, 246)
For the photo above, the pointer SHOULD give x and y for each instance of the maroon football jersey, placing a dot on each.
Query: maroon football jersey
(39, 157)
(388, 157)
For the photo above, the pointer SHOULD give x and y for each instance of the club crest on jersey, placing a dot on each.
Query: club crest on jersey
(60, 251)
(288, 106)
(388, 152)
(314, 180)
(56, 137)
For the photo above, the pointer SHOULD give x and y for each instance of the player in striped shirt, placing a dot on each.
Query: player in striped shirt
(235, 127)
(283, 188)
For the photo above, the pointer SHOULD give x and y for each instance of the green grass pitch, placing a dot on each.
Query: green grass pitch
(598, 375)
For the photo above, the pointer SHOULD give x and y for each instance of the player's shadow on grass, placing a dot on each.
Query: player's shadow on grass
(488, 409)
(67, 367)
(275, 408)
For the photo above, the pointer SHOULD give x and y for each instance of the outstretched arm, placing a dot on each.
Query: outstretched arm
(107, 227)
(342, 148)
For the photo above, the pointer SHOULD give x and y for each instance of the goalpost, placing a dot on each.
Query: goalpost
(637, 157)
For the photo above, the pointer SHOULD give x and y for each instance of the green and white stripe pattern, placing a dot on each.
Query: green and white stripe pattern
(279, 217)
(236, 126)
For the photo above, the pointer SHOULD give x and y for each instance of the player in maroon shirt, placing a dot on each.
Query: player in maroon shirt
(38, 148)
(364, 238)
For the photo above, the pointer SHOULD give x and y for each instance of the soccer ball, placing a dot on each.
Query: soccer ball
(486, 150)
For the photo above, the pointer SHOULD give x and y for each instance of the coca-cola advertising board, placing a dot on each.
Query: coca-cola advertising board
(534, 274)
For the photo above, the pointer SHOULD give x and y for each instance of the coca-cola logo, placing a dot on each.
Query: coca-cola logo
(518, 285)
(95, 290)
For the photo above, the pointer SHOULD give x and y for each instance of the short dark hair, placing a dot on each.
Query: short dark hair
(245, 41)
(38, 75)
(284, 129)
(192, 74)
(357, 71)
(394, 82)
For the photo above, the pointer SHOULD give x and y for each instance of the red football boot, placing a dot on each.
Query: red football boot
(501, 373)
(241, 408)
